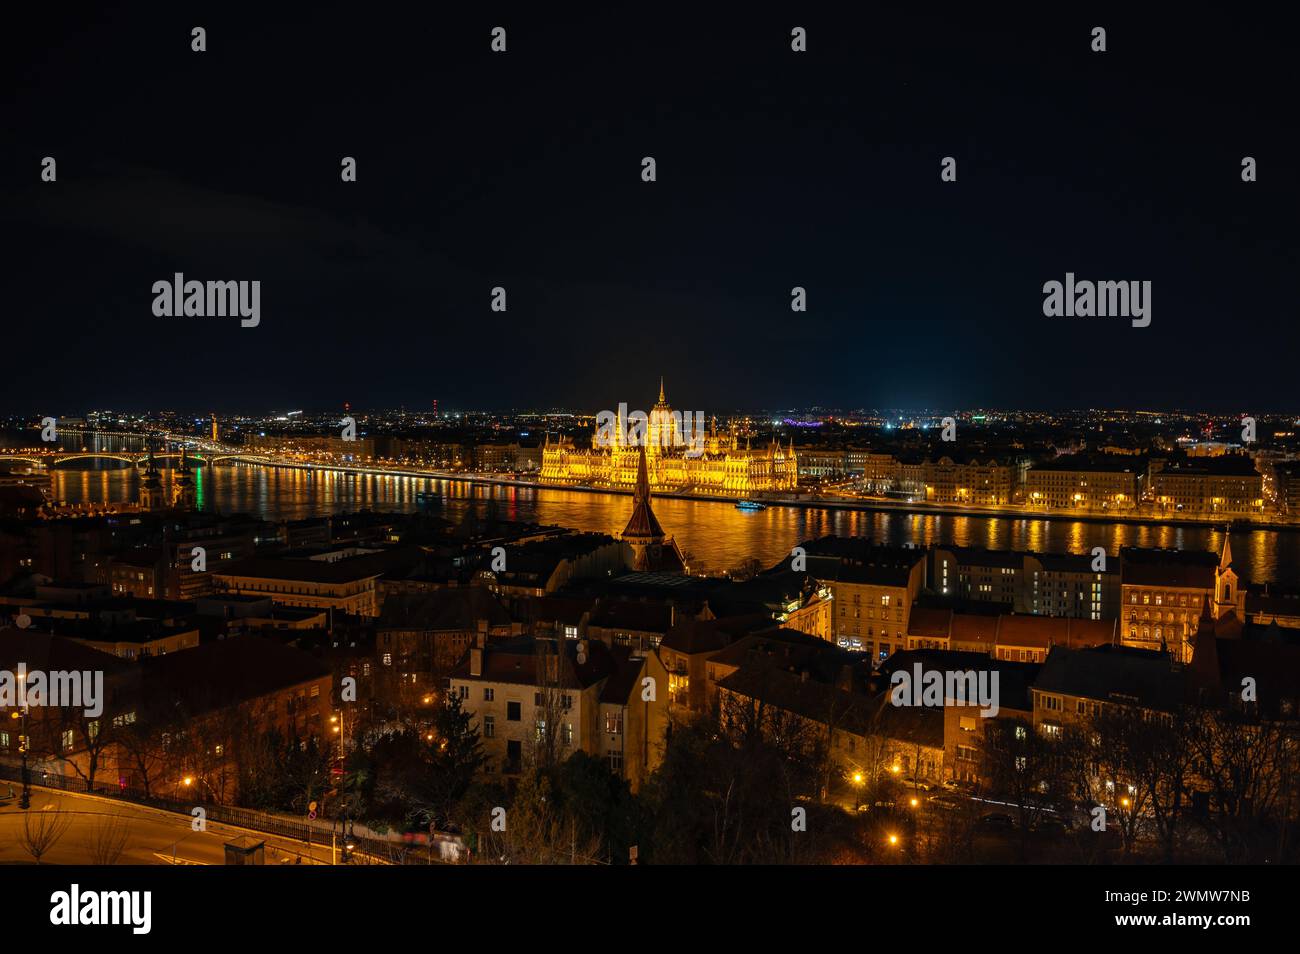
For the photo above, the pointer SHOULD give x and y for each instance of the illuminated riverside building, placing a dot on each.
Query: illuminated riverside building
(675, 459)
(1229, 485)
(309, 445)
(975, 481)
(1079, 482)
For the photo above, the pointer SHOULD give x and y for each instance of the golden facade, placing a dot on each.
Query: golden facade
(678, 458)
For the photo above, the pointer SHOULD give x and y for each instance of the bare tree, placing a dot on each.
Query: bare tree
(551, 699)
(142, 744)
(42, 830)
(95, 737)
(538, 831)
(1248, 765)
(1125, 737)
(1019, 764)
(107, 839)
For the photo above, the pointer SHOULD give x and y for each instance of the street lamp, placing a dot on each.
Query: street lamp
(25, 800)
(340, 729)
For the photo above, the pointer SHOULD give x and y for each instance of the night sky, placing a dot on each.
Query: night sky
(775, 169)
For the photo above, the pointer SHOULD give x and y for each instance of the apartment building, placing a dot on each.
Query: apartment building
(1087, 482)
(1229, 486)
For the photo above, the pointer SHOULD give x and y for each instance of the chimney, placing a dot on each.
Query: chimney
(476, 661)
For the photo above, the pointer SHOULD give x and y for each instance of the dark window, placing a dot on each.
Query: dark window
(512, 712)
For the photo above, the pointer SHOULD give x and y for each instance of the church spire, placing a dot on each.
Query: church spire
(642, 492)
(1225, 559)
(661, 389)
(642, 528)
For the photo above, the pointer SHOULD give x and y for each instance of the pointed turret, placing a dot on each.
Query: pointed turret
(183, 491)
(1226, 591)
(652, 549)
(642, 526)
(151, 488)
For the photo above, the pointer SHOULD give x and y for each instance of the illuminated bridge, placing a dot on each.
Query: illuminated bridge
(202, 452)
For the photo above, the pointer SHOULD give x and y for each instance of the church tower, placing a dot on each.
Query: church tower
(652, 549)
(1227, 599)
(151, 488)
(183, 489)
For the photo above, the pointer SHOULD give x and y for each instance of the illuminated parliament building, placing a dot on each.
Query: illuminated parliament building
(677, 459)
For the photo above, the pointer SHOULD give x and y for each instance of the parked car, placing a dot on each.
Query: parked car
(996, 821)
(947, 801)
(1052, 825)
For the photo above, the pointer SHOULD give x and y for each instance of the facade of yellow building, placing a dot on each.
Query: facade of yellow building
(1164, 593)
(1076, 482)
(680, 456)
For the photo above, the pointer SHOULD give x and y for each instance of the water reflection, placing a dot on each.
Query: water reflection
(716, 534)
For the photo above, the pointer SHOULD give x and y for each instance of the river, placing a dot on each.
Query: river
(715, 534)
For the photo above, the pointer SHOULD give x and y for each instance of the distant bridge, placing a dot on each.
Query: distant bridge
(213, 452)
(55, 458)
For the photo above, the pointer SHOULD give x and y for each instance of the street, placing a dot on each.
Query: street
(153, 837)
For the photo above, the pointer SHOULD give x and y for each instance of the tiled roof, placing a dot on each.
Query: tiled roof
(1114, 673)
(452, 608)
(40, 651)
(227, 671)
(517, 662)
(929, 622)
(638, 615)
(1174, 568)
(625, 678)
(1045, 631)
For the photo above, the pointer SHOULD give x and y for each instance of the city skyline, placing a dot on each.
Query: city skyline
(434, 408)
